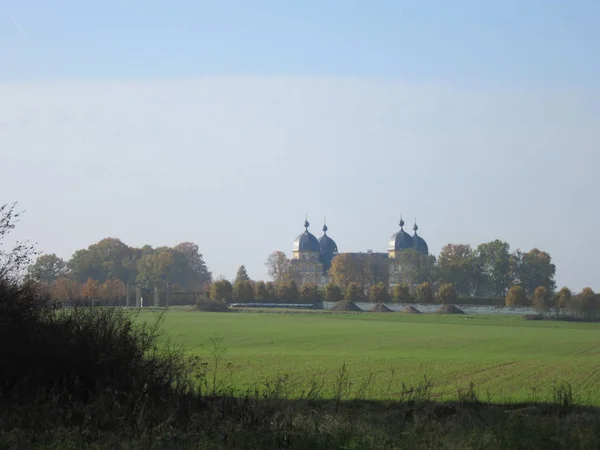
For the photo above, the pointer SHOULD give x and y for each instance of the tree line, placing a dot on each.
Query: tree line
(104, 269)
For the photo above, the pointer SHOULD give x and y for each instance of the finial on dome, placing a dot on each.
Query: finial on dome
(325, 225)
(415, 227)
(306, 224)
(401, 221)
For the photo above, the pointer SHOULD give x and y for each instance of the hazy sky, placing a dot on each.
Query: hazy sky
(224, 123)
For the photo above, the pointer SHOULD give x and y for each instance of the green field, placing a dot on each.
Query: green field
(506, 357)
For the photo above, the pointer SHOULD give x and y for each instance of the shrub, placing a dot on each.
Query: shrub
(333, 293)
(354, 292)
(401, 293)
(287, 291)
(516, 296)
(563, 298)
(210, 305)
(242, 291)
(541, 299)
(310, 293)
(378, 293)
(261, 291)
(221, 290)
(424, 293)
(446, 294)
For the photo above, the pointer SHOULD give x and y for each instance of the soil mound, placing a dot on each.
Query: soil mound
(411, 310)
(449, 309)
(346, 306)
(380, 307)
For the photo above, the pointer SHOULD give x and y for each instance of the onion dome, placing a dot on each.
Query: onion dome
(306, 242)
(419, 243)
(401, 240)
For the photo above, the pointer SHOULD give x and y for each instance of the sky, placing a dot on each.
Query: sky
(225, 122)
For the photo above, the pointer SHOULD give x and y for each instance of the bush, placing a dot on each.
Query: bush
(210, 305)
(401, 293)
(310, 293)
(446, 294)
(333, 293)
(221, 290)
(424, 293)
(378, 293)
(354, 292)
(516, 297)
(541, 299)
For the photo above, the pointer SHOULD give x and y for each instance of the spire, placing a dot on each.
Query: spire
(415, 227)
(401, 221)
(325, 225)
(306, 224)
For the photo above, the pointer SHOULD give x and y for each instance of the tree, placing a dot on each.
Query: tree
(401, 293)
(188, 269)
(109, 258)
(563, 298)
(310, 292)
(375, 268)
(278, 266)
(47, 268)
(287, 291)
(354, 291)
(113, 290)
(156, 267)
(243, 291)
(533, 269)
(14, 260)
(271, 291)
(242, 275)
(516, 296)
(221, 290)
(446, 294)
(586, 303)
(424, 293)
(493, 274)
(261, 292)
(541, 299)
(456, 264)
(333, 293)
(415, 267)
(90, 290)
(64, 289)
(347, 268)
(378, 293)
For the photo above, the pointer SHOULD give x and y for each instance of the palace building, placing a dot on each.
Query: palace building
(312, 257)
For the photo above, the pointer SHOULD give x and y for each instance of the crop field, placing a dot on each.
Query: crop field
(507, 358)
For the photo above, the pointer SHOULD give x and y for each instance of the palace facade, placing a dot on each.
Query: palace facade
(312, 257)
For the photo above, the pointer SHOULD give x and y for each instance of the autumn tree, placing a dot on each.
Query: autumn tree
(446, 294)
(533, 269)
(492, 275)
(113, 289)
(375, 268)
(287, 291)
(90, 290)
(424, 293)
(541, 299)
(378, 293)
(354, 291)
(221, 290)
(310, 292)
(347, 268)
(516, 296)
(64, 289)
(456, 264)
(333, 293)
(261, 292)
(401, 293)
(278, 266)
(586, 304)
(154, 268)
(47, 268)
(563, 298)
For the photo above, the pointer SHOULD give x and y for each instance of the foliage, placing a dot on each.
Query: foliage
(533, 269)
(278, 266)
(333, 293)
(446, 294)
(310, 292)
(241, 274)
(113, 290)
(65, 289)
(415, 267)
(210, 305)
(493, 274)
(517, 296)
(354, 292)
(14, 260)
(378, 293)
(287, 291)
(457, 265)
(401, 293)
(424, 293)
(47, 268)
(541, 299)
(221, 290)
(243, 291)
(563, 298)
(346, 269)
(261, 291)
(586, 304)
(90, 290)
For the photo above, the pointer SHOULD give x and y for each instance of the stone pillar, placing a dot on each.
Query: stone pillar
(156, 297)
(138, 297)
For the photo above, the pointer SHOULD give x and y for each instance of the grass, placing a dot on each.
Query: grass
(507, 358)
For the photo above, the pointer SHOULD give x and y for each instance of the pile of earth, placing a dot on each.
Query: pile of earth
(380, 307)
(411, 310)
(346, 306)
(449, 309)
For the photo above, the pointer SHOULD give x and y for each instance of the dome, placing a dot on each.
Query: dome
(306, 242)
(401, 240)
(419, 243)
(328, 245)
